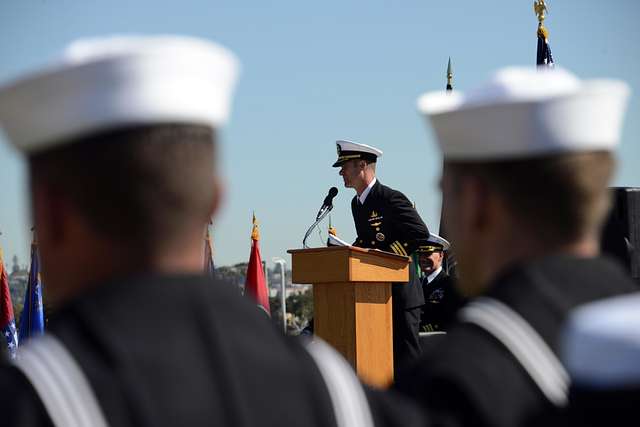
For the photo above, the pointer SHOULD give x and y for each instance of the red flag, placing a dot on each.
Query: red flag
(255, 285)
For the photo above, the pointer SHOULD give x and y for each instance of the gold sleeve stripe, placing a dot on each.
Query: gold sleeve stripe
(397, 248)
(400, 248)
(394, 249)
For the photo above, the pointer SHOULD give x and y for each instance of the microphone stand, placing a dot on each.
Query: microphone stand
(314, 225)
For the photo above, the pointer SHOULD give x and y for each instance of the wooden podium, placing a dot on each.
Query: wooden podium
(352, 303)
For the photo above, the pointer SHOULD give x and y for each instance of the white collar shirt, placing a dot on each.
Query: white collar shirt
(362, 197)
(434, 275)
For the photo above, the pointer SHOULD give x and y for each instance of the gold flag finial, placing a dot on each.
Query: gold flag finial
(540, 8)
(255, 233)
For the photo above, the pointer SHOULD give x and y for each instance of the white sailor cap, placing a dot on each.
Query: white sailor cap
(526, 112)
(119, 81)
(349, 150)
(601, 343)
(434, 243)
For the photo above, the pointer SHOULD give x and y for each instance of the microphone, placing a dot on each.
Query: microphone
(327, 205)
(328, 202)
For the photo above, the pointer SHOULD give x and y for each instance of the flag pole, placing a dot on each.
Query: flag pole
(283, 288)
(449, 259)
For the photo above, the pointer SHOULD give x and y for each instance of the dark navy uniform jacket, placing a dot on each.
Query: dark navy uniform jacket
(389, 222)
(471, 379)
(186, 351)
(442, 300)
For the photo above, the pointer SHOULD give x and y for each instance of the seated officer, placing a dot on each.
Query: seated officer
(441, 297)
(119, 138)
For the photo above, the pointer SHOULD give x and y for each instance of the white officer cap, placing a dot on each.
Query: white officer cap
(601, 343)
(119, 81)
(526, 112)
(349, 150)
(435, 243)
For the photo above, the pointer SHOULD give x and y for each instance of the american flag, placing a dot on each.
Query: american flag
(11, 335)
(7, 320)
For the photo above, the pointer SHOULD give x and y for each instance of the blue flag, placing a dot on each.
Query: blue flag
(32, 317)
(543, 54)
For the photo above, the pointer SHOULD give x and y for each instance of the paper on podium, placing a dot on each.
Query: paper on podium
(336, 241)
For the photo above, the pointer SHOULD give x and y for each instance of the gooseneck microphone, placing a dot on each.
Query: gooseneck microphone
(326, 207)
(328, 202)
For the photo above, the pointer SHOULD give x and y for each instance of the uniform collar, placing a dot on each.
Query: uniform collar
(433, 275)
(367, 190)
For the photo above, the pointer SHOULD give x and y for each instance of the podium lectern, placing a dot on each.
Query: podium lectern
(352, 303)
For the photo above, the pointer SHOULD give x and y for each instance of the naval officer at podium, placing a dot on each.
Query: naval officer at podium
(385, 219)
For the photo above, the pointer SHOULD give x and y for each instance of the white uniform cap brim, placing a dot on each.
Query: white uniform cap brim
(355, 146)
(434, 238)
(525, 112)
(116, 82)
(601, 343)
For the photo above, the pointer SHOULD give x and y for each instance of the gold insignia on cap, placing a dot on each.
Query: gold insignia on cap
(349, 157)
(430, 248)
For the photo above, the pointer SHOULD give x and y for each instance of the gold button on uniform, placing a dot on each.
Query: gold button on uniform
(373, 242)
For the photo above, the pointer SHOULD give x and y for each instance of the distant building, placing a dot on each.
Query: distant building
(18, 284)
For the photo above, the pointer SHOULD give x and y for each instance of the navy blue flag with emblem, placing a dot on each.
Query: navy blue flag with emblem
(32, 317)
(544, 57)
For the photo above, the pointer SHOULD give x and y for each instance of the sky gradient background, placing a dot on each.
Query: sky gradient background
(316, 72)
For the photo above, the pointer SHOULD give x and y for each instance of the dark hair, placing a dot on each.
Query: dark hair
(141, 185)
(559, 198)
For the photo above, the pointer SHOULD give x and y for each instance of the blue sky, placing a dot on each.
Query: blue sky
(316, 72)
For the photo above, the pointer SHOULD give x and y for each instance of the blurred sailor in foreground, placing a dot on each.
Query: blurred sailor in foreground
(601, 350)
(119, 138)
(528, 159)
(386, 220)
(442, 299)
